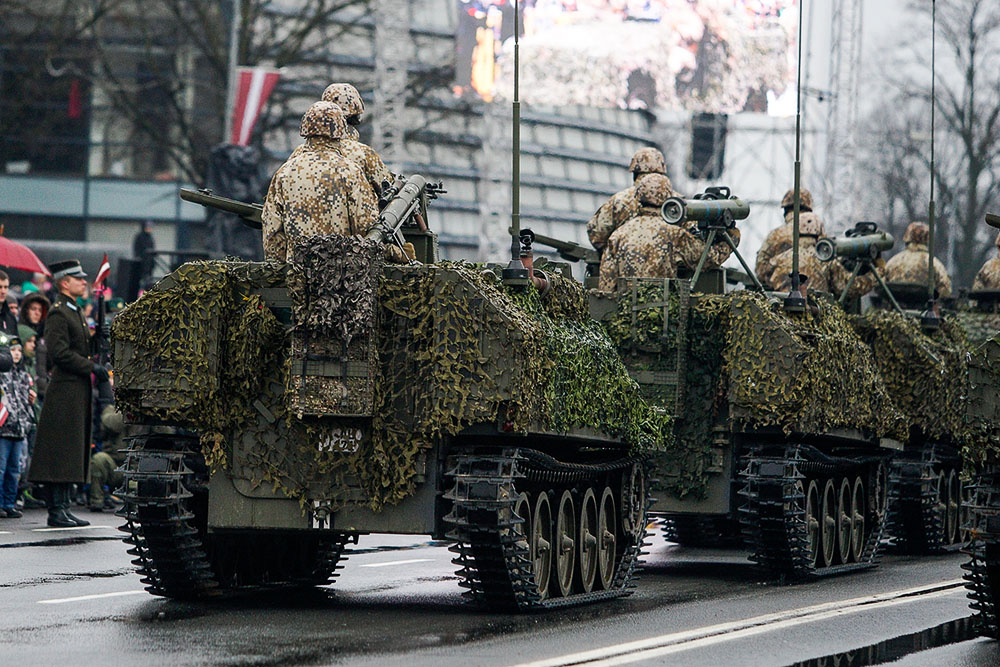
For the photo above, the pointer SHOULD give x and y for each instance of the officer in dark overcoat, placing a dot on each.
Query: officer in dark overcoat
(62, 445)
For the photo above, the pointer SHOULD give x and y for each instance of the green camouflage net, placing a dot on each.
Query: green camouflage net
(456, 349)
(978, 326)
(924, 372)
(808, 372)
(683, 468)
(983, 444)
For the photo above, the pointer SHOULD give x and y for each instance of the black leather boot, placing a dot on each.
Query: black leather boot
(65, 501)
(57, 510)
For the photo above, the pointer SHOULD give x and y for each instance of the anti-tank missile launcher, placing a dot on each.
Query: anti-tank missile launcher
(862, 242)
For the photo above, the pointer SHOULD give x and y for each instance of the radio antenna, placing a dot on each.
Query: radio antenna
(795, 301)
(515, 274)
(929, 319)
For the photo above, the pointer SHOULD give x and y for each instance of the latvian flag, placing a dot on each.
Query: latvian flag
(253, 86)
(102, 273)
(4, 413)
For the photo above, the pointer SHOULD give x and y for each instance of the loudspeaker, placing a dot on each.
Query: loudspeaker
(708, 146)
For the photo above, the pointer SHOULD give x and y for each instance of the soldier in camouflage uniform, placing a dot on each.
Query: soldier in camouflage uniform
(647, 247)
(780, 239)
(830, 276)
(318, 191)
(910, 265)
(988, 277)
(625, 205)
(349, 100)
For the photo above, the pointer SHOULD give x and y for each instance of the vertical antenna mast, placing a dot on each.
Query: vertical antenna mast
(930, 209)
(515, 273)
(795, 302)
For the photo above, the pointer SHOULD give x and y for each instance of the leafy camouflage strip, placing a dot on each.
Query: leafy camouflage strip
(333, 283)
(983, 445)
(924, 371)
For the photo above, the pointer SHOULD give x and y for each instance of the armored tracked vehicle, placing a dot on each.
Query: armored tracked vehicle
(783, 428)
(287, 409)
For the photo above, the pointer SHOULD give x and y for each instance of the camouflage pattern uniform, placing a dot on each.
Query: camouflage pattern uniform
(780, 239)
(910, 265)
(648, 247)
(317, 191)
(989, 276)
(624, 205)
(830, 276)
(349, 100)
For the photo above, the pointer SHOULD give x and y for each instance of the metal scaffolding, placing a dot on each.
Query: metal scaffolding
(392, 55)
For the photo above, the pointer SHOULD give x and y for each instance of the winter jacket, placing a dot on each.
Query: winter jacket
(15, 384)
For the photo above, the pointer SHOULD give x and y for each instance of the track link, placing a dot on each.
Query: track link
(491, 547)
(707, 532)
(165, 512)
(982, 571)
(916, 524)
(773, 516)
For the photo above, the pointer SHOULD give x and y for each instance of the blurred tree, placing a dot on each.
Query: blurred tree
(967, 141)
(157, 71)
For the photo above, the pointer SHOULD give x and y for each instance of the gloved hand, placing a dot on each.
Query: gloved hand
(100, 372)
(409, 251)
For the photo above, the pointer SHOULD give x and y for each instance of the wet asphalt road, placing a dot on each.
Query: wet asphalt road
(71, 597)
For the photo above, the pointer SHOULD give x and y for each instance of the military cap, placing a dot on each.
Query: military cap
(648, 161)
(346, 97)
(917, 232)
(323, 119)
(810, 225)
(653, 190)
(69, 267)
(805, 200)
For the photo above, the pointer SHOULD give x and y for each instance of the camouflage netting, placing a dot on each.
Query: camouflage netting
(683, 468)
(747, 359)
(978, 326)
(456, 348)
(983, 444)
(340, 304)
(808, 373)
(197, 347)
(924, 372)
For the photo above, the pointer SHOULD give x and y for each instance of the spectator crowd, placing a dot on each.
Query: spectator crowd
(24, 310)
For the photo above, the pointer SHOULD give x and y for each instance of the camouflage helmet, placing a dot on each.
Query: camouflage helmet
(653, 190)
(648, 161)
(805, 199)
(917, 232)
(810, 225)
(323, 119)
(346, 96)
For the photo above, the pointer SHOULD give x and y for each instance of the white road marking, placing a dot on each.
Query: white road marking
(646, 649)
(90, 597)
(399, 562)
(5, 532)
(55, 530)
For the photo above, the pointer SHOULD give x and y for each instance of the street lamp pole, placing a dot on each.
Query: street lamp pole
(234, 16)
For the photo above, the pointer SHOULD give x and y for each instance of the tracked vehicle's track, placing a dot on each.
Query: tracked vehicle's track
(918, 520)
(165, 512)
(776, 529)
(493, 546)
(982, 578)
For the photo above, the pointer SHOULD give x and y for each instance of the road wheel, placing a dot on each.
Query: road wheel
(828, 522)
(566, 524)
(541, 543)
(858, 520)
(522, 508)
(588, 552)
(844, 527)
(812, 522)
(607, 539)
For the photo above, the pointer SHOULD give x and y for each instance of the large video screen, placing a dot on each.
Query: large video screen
(716, 56)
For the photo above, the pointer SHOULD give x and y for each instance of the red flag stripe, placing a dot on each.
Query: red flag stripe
(102, 273)
(254, 86)
(4, 413)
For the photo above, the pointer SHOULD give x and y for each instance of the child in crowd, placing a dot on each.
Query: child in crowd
(16, 419)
